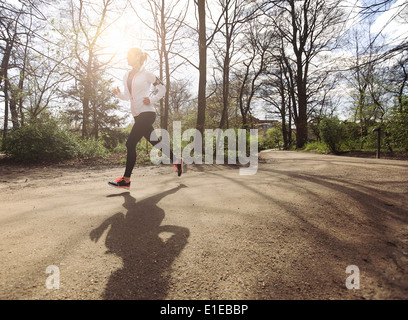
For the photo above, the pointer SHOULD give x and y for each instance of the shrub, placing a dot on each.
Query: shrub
(397, 127)
(41, 139)
(352, 135)
(332, 132)
(316, 146)
(273, 139)
(92, 148)
(113, 139)
(45, 139)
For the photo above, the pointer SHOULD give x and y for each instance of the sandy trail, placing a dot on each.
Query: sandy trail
(288, 232)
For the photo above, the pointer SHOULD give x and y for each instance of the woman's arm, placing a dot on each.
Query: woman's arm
(120, 95)
(160, 89)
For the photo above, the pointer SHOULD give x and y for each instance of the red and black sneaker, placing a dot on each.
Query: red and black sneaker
(120, 183)
(179, 166)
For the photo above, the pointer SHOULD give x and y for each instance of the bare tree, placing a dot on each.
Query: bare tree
(236, 13)
(19, 26)
(9, 35)
(256, 44)
(180, 96)
(45, 77)
(275, 93)
(400, 80)
(307, 28)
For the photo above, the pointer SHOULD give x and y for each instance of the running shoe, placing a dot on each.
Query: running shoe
(120, 183)
(179, 166)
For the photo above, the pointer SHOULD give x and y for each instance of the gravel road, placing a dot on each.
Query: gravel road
(289, 232)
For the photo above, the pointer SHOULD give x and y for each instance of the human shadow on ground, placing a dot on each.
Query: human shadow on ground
(147, 248)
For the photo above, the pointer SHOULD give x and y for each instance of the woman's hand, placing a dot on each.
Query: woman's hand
(116, 91)
(146, 101)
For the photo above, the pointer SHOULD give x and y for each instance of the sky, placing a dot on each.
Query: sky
(389, 24)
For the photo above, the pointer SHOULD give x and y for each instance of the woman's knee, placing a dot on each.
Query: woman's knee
(130, 145)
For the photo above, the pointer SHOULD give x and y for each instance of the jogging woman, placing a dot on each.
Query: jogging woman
(137, 86)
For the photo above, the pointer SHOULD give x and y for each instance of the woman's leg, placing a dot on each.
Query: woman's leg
(142, 124)
(152, 138)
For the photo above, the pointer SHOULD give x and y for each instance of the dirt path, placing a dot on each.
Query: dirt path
(288, 232)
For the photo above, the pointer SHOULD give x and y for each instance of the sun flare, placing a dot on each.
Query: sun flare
(116, 42)
(119, 38)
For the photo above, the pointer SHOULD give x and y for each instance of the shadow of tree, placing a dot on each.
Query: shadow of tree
(147, 248)
(343, 222)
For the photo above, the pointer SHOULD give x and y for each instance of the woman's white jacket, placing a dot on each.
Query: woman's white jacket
(141, 88)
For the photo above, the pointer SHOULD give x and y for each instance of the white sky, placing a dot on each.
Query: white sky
(390, 25)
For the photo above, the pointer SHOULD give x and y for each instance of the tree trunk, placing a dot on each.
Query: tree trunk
(226, 72)
(202, 67)
(167, 94)
(283, 117)
(96, 122)
(6, 109)
(21, 99)
(301, 123)
(4, 75)
(161, 74)
(13, 107)
(166, 67)
(87, 97)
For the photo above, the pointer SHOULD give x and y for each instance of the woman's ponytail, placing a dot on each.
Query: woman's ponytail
(145, 57)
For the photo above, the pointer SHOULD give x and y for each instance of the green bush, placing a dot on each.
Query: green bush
(45, 139)
(92, 148)
(333, 133)
(272, 139)
(120, 148)
(41, 139)
(352, 133)
(316, 146)
(397, 127)
(114, 139)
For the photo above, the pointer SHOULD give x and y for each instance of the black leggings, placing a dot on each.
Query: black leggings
(143, 127)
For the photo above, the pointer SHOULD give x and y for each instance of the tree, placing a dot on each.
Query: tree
(236, 13)
(9, 34)
(102, 105)
(399, 81)
(88, 20)
(306, 28)
(21, 32)
(371, 9)
(45, 78)
(180, 96)
(275, 92)
(256, 44)
(367, 80)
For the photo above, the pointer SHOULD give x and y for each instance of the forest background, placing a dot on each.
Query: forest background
(319, 75)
